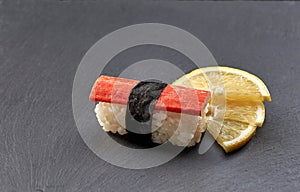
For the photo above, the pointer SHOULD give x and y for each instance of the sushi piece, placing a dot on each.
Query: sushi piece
(165, 112)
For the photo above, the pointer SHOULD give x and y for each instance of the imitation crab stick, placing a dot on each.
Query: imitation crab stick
(172, 98)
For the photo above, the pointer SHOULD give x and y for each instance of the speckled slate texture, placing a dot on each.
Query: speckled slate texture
(41, 45)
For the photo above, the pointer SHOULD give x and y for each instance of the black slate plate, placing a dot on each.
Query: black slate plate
(42, 44)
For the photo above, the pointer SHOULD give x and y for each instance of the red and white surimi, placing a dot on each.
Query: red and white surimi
(173, 98)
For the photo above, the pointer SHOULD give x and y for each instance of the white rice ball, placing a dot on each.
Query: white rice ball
(178, 128)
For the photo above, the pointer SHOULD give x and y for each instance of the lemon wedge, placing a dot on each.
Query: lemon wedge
(231, 135)
(252, 113)
(238, 84)
(236, 106)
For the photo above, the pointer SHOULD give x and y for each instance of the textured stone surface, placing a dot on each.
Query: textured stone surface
(41, 45)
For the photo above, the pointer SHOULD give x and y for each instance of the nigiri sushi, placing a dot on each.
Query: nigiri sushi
(165, 112)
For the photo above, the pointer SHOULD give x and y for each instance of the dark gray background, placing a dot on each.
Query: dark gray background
(41, 45)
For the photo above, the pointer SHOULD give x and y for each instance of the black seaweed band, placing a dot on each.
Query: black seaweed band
(140, 106)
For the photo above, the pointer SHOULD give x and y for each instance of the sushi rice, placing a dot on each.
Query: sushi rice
(178, 128)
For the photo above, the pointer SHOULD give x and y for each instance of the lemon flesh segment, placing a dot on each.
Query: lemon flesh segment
(231, 135)
(252, 113)
(237, 84)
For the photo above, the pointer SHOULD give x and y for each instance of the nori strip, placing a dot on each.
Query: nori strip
(140, 106)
